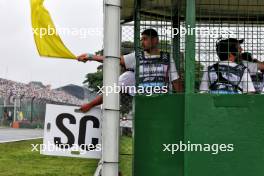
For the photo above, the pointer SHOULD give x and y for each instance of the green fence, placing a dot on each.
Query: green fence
(193, 118)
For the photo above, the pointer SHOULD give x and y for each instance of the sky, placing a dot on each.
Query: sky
(19, 59)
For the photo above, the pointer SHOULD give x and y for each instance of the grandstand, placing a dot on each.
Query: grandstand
(26, 103)
(15, 89)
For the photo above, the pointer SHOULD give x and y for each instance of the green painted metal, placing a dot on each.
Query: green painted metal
(190, 48)
(226, 119)
(176, 40)
(158, 121)
(189, 66)
(137, 4)
(200, 119)
(137, 34)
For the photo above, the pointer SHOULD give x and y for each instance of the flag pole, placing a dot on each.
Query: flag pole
(111, 104)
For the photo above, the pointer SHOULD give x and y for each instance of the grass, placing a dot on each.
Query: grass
(17, 159)
(126, 156)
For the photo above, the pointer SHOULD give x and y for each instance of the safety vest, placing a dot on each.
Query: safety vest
(154, 71)
(224, 79)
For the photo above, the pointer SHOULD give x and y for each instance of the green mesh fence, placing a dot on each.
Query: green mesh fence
(126, 116)
(163, 23)
(166, 18)
(221, 20)
(203, 23)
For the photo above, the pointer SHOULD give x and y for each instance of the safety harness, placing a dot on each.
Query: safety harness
(225, 79)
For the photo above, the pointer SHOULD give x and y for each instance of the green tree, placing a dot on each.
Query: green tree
(93, 80)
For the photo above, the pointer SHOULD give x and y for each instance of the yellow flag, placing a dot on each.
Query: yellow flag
(48, 42)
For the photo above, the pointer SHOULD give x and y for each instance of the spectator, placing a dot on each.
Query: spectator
(11, 88)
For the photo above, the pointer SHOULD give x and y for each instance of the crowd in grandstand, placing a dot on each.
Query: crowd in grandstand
(10, 88)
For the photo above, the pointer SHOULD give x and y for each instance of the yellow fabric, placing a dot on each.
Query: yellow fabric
(47, 45)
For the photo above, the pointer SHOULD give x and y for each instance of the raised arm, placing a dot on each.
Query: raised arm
(91, 57)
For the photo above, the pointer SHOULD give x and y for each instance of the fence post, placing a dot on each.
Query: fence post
(111, 71)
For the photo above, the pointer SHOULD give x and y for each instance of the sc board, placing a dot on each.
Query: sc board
(72, 134)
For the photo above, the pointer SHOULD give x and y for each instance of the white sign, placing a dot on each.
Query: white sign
(72, 134)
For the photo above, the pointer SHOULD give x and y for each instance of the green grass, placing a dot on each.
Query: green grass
(126, 156)
(17, 159)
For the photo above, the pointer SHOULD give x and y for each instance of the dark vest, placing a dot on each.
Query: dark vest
(154, 71)
(224, 79)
